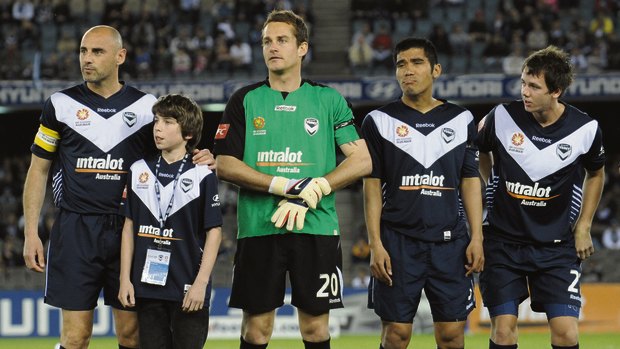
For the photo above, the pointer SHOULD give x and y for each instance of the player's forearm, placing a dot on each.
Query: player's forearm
(235, 171)
(372, 210)
(209, 254)
(592, 191)
(486, 163)
(356, 165)
(127, 249)
(34, 194)
(471, 193)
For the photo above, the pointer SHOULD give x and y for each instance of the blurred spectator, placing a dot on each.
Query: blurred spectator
(181, 63)
(61, 12)
(241, 56)
(224, 25)
(382, 49)
(606, 211)
(360, 51)
(6, 12)
(221, 54)
(439, 37)
(202, 39)
(556, 34)
(182, 40)
(478, 30)
(23, 10)
(190, 10)
(601, 25)
(28, 35)
(67, 44)
(611, 236)
(512, 64)
(578, 59)
(143, 62)
(459, 39)
(361, 278)
(162, 60)
(536, 38)
(502, 25)
(495, 51)
(222, 8)
(13, 242)
(360, 251)
(597, 58)
(44, 11)
(143, 33)
(201, 61)
(364, 32)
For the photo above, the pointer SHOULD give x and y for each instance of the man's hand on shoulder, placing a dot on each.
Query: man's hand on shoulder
(204, 157)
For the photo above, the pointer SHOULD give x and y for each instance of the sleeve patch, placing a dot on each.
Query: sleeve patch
(344, 124)
(222, 131)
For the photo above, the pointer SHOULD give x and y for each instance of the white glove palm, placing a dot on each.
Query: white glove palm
(292, 212)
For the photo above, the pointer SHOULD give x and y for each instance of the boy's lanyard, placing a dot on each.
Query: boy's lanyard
(163, 218)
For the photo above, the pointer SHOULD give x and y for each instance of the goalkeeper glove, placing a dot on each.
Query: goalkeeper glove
(311, 190)
(292, 212)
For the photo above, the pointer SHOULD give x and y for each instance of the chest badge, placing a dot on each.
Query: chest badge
(447, 134)
(130, 118)
(186, 184)
(563, 151)
(311, 125)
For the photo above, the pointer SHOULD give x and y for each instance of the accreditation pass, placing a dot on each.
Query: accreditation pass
(156, 267)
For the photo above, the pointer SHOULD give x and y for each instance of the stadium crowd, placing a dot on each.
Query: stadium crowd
(476, 36)
(179, 39)
(194, 39)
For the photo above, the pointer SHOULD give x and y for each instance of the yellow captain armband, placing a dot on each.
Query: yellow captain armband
(47, 139)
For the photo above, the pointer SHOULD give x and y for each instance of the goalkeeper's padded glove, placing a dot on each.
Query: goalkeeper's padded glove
(311, 190)
(292, 212)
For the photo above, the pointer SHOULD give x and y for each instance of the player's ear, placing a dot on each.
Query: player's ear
(188, 136)
(436, 71)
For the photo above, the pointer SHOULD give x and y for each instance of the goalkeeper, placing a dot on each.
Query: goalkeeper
(277, 142)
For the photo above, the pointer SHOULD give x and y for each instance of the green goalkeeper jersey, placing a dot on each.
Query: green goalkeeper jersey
(288, 134)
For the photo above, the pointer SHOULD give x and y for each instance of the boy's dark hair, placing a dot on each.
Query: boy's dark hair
(186, 112)
(300, 29)
(554, 64)
(429, 49)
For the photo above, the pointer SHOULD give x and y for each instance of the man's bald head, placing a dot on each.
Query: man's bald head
(106, 30)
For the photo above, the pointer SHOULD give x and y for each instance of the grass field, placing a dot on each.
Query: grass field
(527, 341)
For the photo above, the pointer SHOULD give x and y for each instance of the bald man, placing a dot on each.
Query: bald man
(88, 137)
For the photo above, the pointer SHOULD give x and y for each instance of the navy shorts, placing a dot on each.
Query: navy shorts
(550, 273)
(83, 258)
(438, 268)
(314, 265)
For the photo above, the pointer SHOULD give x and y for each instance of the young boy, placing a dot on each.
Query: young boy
(171, 234)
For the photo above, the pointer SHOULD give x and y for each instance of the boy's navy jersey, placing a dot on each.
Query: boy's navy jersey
(420, 159)
(93, 141)
(195, 209)
(534, 193)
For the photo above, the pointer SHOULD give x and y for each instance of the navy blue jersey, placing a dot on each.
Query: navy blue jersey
(93, 141)
(420, 159)
(195, 209)
(534, 193)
